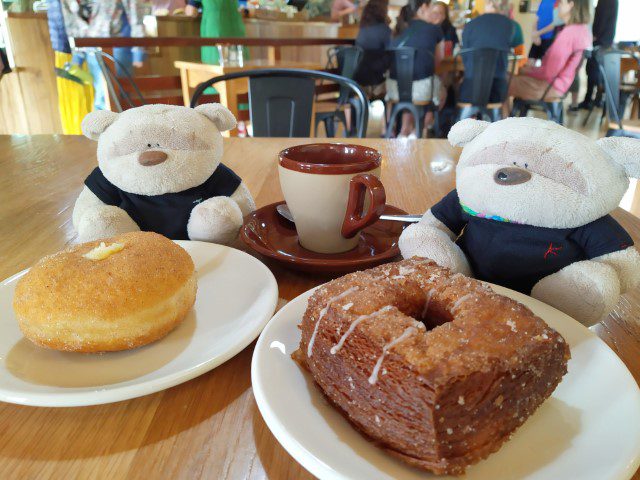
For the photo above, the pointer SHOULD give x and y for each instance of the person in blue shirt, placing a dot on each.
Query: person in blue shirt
(545, 19)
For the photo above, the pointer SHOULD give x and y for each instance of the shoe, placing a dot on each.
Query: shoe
(585, 105)
(401, 136)
(574, 109)
(412, 136)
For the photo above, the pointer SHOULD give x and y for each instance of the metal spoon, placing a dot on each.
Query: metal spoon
(283, 210)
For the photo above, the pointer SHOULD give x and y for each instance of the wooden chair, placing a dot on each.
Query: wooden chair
(128, 92)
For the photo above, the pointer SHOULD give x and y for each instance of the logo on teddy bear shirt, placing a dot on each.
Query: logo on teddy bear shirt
(552, 250)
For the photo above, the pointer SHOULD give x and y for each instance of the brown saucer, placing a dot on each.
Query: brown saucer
(268, 233)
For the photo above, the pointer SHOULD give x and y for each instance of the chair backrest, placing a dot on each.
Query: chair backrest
(281, 106)
(485, 61)
(348, 60)
(609, 61)
(118, 94)
(281, 99)
(402, 68)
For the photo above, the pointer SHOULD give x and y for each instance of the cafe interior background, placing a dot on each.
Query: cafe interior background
(47, 87)
(38, 94)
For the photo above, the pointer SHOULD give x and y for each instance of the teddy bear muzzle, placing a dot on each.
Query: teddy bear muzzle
(511, 176)
(152, 157)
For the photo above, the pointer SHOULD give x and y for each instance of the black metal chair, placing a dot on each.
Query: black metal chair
(485, 62)
(281, 99)
(616, 98)
(402, 67)
(554, 108)
(347, 60)
(117, 93)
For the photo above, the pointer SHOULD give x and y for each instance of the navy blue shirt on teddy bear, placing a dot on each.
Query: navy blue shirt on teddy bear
(166, 214)
(518, 256)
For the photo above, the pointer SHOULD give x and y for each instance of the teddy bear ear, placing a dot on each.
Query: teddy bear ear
(96, 122)
(625, 152)
(466, 130)
(218, 114)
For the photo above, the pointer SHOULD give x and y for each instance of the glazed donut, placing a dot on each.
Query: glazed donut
(115, 294)
(435, 368)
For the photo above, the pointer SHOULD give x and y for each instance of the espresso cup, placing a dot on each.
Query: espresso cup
(333, 191)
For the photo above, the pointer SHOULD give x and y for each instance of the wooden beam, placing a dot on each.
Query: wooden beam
(110, 42)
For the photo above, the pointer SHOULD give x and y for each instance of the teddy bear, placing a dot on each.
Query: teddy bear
(159, 170)
(531, 212)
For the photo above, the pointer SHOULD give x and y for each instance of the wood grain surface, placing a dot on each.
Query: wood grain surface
(208, 427)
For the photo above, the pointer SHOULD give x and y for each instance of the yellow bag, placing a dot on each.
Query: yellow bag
(74, 100)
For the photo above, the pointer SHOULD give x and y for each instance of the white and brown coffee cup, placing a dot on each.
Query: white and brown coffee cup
(333, 192)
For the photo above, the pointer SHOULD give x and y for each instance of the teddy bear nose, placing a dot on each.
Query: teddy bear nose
(151, 157)
(511, 176)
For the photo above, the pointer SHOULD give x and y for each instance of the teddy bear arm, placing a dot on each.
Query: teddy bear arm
(86, 201)
(94, 220)
(243, 198)
(585, 290)
(217, 220)
(626, 263)
(430, 220)
(425, 240)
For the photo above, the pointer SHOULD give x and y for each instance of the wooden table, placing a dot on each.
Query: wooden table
(208, 427)
(194, 73)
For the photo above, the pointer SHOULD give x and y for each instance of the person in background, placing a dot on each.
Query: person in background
(403, 19)
(545, 39)
(75, 100)
(167, 7)
(333, 10)
(439, 15)
(562, 58)
(493, 29)
(341, 8)
(605, 19)
(556, 23)
(374, 37)
(220, 18)
(105, 18)
(428, 40)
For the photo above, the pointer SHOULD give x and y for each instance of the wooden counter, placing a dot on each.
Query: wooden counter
(28, 95)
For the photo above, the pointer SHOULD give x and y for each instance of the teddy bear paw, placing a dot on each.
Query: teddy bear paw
(216, 220)
(103, 222)
(429, 242)
(584, 290)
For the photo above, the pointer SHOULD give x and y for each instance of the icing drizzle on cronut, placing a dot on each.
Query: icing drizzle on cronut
(446, 367)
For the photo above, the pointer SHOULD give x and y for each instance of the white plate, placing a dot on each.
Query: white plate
(236, 297)
(588, 429)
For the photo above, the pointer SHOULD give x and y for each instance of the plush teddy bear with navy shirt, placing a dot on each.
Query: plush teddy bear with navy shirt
(531, 212)
(159, 170)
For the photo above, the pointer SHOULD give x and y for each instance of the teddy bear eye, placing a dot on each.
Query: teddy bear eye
(149, 145)
(514, 163)
(526, 165)
(157, 144)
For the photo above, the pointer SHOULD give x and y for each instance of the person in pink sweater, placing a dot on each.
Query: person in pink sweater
(560, 62)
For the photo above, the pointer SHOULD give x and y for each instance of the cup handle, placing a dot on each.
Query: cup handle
(354, 219)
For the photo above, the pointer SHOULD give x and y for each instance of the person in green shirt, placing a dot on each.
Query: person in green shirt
(220, 18)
